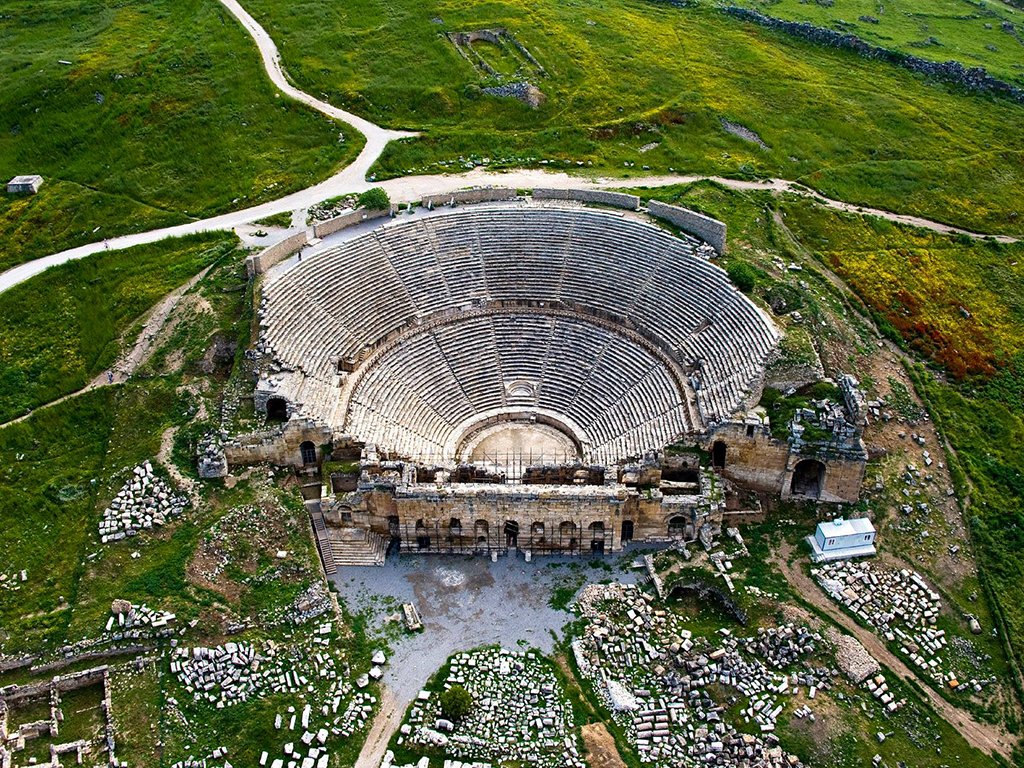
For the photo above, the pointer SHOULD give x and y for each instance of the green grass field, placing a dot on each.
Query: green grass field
(624, 75)
(163, 113)
(968, 31)
(63, 328)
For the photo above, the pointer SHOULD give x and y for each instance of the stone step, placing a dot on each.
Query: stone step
(357, 547)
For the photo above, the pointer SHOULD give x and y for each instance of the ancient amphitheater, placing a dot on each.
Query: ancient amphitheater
(604, 328)
(563, 377)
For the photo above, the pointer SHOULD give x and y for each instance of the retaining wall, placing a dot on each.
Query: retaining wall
(614, 199)
(260, 262)
(479, 195)
(349, 219)
(707, 229)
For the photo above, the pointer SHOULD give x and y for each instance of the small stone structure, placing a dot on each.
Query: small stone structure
(24, 185)
(13, 742)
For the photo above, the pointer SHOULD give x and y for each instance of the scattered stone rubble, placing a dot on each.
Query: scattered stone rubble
(520, 714)
(144, 501)
(903, 609)
(654, 675)
(328, 707)
(125, 616)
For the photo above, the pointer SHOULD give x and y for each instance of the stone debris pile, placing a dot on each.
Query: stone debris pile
(144, 501)
(656, 677)
(899, 605)
(13, 581)
(520, 714)
(125, 616)
(234, 672)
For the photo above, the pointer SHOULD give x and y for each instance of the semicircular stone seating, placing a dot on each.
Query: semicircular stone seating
(421, 390)
(345, 301)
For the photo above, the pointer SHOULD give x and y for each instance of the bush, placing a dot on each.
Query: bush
(742, 275)
(375, 199)
(456, 703)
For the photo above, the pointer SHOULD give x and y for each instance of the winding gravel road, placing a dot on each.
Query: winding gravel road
(352, 178)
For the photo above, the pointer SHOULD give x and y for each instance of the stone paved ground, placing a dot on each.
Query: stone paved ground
(463, 603)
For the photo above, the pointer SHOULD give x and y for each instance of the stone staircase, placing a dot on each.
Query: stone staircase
(323, 540)
(354, 546)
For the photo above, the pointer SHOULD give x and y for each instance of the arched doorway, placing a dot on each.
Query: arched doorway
(308, 453)
(537, 533)
(511, 534)
(627, 531)
(422, 535)
(277, 409)
(677, 527)
(808, 478)
(480, 531)
(718, 455)
(567, 539)
(597, 537)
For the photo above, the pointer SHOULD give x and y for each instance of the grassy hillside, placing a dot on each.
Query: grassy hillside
(646, 83)
(64, 327)
(967, 31)
(160, 113)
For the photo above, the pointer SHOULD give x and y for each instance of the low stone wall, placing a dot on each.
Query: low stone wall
(260, 262)
(596, 196)
(479, 195)
(974, 79)
(349, 219)
(711, 231)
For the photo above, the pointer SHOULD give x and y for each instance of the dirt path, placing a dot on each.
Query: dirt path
(987, 738)
(388, 718)
(129, 362)
(601, 749)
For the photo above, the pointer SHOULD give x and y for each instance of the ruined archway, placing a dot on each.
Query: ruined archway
(511, 534)
(677, 527)
(277, 409)
(597, 537)
(808, 478)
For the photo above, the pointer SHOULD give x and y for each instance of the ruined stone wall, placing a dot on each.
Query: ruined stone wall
(260, 262)
(707, 229)
(614, 199)
(349, 219)
(479, 195)
(279, 446)
(760, 462)
(843, 479)
(765, 464)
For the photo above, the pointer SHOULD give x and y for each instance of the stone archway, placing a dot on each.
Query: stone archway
(808, 478)
(511, 534)
(677, 527)
(597, 537)
(277, 409)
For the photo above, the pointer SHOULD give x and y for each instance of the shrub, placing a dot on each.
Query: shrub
(742, 275)
(456, 703)
(376, 199)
